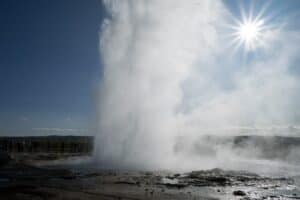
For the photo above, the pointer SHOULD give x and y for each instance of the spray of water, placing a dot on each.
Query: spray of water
(168, 80)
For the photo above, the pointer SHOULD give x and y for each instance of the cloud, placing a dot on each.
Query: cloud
(24, 118)
(68, 119)
(59, 130)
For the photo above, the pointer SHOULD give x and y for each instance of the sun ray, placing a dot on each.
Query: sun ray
(262, 11)
(249, 31)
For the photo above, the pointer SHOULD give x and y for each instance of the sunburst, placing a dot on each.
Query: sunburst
(250, 31)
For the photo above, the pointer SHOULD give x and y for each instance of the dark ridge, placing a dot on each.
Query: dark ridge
(47, 144)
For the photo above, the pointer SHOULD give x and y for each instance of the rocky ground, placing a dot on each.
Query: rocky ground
(26, 182)
(39, 169)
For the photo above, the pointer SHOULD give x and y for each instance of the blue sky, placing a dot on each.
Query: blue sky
(50, 65)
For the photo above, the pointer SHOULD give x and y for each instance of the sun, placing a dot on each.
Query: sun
(250, 33)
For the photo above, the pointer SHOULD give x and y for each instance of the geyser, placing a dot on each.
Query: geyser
(168, 79)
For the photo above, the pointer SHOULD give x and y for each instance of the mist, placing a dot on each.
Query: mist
(171, 78)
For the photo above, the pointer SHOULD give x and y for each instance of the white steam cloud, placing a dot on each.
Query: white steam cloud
(168, 74)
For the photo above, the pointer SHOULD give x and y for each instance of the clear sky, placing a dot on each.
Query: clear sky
(50, 65)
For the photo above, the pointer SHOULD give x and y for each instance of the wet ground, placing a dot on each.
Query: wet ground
(54, 182)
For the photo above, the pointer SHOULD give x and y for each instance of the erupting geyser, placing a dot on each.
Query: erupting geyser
(168, 80)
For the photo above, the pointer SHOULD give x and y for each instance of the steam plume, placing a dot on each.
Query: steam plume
(168, 76)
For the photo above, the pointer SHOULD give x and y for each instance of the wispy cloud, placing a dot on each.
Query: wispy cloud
(60, 130)
(23, 118)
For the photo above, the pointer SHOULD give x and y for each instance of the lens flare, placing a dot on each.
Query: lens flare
(250, 33)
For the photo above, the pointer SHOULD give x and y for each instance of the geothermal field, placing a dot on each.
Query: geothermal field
(62, 168)
(149, 99)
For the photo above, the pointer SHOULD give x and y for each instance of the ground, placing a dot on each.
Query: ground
(19, 181)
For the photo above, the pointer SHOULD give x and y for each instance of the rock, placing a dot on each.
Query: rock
(128, 182)
(176, 175)
(175, 185)
(247, 198)
(239, 193)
